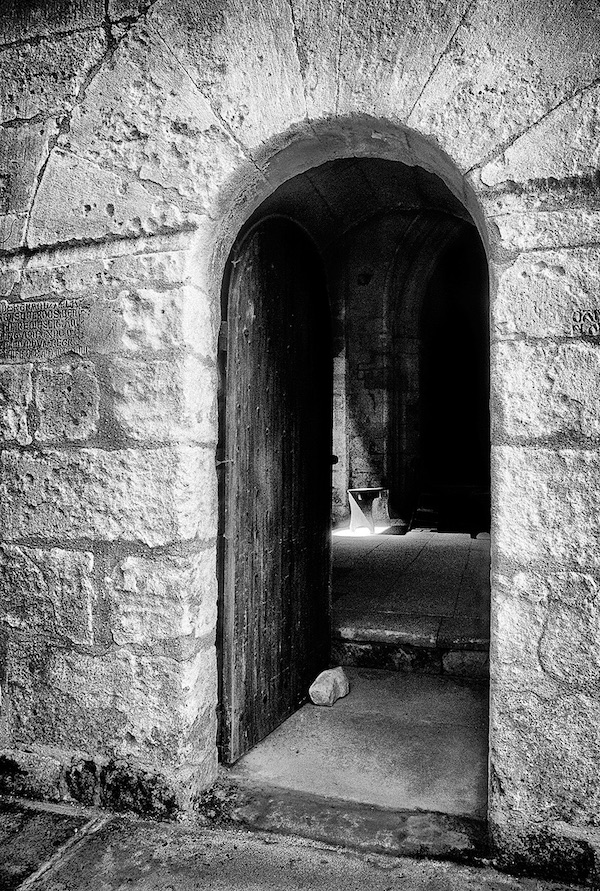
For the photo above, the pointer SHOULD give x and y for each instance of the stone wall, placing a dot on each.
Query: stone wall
(136, 139)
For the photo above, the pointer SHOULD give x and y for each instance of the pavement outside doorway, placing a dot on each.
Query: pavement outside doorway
(57, 848)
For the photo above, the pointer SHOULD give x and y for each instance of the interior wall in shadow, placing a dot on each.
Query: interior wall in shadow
(454, 438)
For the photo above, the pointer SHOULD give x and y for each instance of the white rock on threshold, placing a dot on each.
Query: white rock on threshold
(329, 686)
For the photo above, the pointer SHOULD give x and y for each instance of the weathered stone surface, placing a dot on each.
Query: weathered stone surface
(505, 68)
(48, 593)
(67, 400)
(154, 319)
(569, 648)
(547, 506)
(139, 301)
(43, 79)
(317, 28)
(465, 664)
(30, 773)
(164, 399)
(545, 389)
(329, 686)
(96, 203)
(565, 143)
(389, 51)
(154, 496)
(541, 294)
(532, 735)
(529, 230)
(105, 270)
(23, 151)
(15, 399)
(118, 702)
(519, 613)
(124, 8)
(243, 57)
(144, 113)
(22, 21)
(162, 598)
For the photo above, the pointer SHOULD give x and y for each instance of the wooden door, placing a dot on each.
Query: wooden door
(276, 485)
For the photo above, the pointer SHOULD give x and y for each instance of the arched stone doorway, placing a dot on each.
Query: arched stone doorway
(362, 214)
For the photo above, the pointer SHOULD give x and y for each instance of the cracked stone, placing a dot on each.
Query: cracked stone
(144, 114)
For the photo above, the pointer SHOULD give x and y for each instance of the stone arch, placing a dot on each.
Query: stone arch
(311, 145)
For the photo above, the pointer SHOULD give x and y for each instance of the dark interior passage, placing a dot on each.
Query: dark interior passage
(454, 448)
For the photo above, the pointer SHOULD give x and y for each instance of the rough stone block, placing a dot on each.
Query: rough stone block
(243, 57)
(534, 230)
(384, 59)
(164, 399)
(547, 506)
(162, 598)
(547, 389)
(37, 18)
(154, 496)
(531, 735)
(23, 150)
(499, 75)
(139, 301)
(44, 78)
(49, 593)
(462, 663)
(565, 143)
(156, 710)
(545, 294)
(15, 399)
(519, 611)
(145, 114)
(569, 647)
(107, 270)
(67, 398)
(96, 203)
(126, 8)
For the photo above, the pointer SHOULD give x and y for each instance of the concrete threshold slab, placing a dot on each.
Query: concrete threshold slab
(356, 825)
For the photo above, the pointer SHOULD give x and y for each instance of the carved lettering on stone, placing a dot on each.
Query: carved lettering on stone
(585, 322)
(43, 329)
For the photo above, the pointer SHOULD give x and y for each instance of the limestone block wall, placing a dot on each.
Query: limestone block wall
(136, 139)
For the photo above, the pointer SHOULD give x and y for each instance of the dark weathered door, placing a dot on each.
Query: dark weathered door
(276, 449)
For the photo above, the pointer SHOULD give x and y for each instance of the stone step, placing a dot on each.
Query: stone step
(348, 824)
(457, 646)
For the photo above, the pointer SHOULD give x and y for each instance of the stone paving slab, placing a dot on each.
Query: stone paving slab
(138, 855)
(397, 741)
(394, 596)
(29, 838)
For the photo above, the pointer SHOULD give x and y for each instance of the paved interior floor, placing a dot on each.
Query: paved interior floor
(397, 741)
(400, 764)
(424, 588)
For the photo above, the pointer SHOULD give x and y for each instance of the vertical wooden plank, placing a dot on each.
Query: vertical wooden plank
(277, 432)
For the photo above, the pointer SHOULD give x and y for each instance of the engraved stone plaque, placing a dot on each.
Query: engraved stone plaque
(43, 329)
